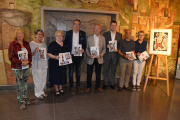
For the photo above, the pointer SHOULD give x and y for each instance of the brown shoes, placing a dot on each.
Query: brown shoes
(79, 89)
(72, 91)
(88, 89)
(120, 89)
(22, 105)
(99, 89)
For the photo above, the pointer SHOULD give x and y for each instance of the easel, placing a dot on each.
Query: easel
(156, 77)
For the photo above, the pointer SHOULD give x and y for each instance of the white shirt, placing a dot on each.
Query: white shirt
(75, 41)
(113, 36)
(96, 40)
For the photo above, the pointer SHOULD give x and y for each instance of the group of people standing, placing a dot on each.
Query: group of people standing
(57, 74)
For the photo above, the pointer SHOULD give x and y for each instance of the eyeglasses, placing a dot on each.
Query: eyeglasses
(20, 33)
(113, 25)
(76, 24)
(59, 35)
(39, 34)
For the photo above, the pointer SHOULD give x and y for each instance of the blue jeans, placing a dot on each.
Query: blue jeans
(77, 65)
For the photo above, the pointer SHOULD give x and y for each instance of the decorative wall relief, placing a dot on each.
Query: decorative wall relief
(10, 20)
(14, 17)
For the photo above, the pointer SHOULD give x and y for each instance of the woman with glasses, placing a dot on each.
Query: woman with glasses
(138, 66)
(39, 64)
(57, 74)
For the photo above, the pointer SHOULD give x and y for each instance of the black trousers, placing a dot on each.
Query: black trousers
(77, 65)
(90, 71)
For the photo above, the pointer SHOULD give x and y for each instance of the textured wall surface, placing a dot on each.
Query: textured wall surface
(133, 14)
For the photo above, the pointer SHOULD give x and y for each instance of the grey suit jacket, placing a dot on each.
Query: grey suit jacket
(114, 55)
(102, 49)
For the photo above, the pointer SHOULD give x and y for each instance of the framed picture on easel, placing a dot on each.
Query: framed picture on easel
(160, 41)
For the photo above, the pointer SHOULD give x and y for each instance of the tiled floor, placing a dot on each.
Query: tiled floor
(154, 104)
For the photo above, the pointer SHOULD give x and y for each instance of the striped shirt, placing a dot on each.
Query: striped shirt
(36, 61)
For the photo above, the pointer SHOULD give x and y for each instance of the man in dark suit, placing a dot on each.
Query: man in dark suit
(72, 38)
(111, 58)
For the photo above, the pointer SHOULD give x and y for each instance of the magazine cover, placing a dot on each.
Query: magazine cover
(112, 45)
(65, 58)
(42, 53)
(144, 55)
(131, 55)
(61, 59)
(77, 49)
(22, 55)
(94, 51)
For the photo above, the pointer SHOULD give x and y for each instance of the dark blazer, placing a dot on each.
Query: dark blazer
(69, 38)
(108, 54)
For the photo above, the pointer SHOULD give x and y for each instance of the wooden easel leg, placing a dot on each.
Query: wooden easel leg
(156, 70)
(150, 64)
(158, 67)
(167, 77)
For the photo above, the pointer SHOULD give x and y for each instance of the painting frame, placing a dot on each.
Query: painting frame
(160, 47)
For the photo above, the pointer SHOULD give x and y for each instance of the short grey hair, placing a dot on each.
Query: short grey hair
(140, 32)
(38, 30)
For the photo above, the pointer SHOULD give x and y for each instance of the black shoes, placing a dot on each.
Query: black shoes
(128, 89)
(120, 89)
(104, 87)
(112, 87)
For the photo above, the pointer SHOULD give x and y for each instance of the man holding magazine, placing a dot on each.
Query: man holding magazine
(73, 39)
(95, 50)
(111, 56)
(126, 52)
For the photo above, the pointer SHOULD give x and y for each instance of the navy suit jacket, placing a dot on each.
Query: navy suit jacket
(114, 55)
(82, 41)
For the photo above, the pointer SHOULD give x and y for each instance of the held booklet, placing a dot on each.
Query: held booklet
(94, 51)
(42, 53)
(77, 49)
(131, 55)
(22, 55)
(112, 45)
(65, 58)
(144, 55)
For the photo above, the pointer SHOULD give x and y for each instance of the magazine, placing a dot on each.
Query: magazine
(94, 51)
(131, 55)
(144, 55)
(65, 58)
(23, 55)
(42, 53)
(77, 49)
(112, 45)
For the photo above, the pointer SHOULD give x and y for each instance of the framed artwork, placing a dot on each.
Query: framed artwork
(160, 41)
